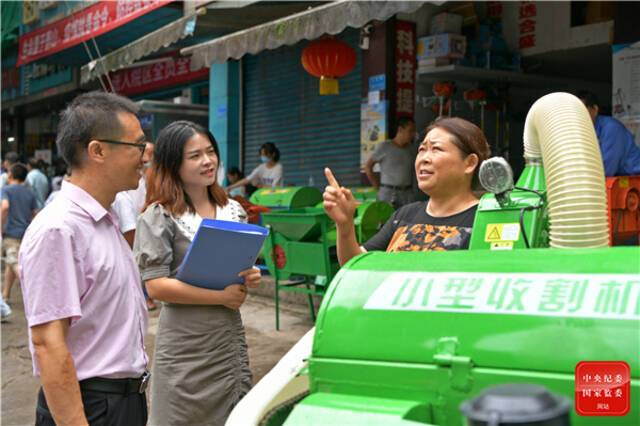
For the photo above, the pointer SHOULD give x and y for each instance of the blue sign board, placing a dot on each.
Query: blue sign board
(377, 82)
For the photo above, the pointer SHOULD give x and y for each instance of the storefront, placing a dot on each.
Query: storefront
(261, 93)
(55, 38)
(282, 104)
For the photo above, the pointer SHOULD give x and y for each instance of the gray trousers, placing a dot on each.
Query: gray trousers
(396, 197)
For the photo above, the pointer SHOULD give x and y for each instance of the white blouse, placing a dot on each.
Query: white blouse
(189, 223)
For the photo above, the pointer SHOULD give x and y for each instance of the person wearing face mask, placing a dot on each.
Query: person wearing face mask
(447, 168)
(395, 158)
(268, 174)
(201, 367)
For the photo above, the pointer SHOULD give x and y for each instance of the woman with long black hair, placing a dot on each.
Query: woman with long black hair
(200, 367)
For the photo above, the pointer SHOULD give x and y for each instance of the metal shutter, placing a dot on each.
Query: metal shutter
(282, 105)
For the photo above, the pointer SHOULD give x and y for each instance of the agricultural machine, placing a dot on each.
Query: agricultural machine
(491, 335)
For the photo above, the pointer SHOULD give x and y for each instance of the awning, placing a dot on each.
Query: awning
(126, 55)
(332, 18)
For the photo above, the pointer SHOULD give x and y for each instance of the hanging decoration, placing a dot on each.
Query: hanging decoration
(328, 59)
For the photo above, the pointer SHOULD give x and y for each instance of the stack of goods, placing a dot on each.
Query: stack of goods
(444, 44)
(488, 49)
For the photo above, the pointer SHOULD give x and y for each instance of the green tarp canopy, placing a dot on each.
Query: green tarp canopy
(11, 12)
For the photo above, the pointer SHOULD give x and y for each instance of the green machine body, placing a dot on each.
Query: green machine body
(290, 197)
(514, 220)
(402, 339)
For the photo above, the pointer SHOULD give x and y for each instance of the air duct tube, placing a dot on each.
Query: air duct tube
(559, 130)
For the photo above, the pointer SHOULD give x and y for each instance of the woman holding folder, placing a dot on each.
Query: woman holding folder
(201, 367)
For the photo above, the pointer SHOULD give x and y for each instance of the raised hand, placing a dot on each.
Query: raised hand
(338, 201)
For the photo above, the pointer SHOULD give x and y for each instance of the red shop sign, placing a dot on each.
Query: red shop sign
(83, 25)
(174, 70)
(528, 14)
(405, 68)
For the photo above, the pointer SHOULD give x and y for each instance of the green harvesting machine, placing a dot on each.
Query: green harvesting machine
(486, 336)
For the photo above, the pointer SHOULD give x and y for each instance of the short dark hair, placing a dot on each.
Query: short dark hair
(589, 98)
(271, 150)
(164, 185)
(90, 116)
(18, 172)
(34, 163)
(405, 121)
(468, 138)
(234, 171)
(11, 157)
(60, 166)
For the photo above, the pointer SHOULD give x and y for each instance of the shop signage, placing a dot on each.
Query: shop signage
(527, 24)
(174, 70)
(10, 78)
(30, 12)
(83, 25)
(405, 68)
(377, 82)
(626, 86)
(373, 128)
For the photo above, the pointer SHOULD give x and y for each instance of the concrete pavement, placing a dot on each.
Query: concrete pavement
(266, 347)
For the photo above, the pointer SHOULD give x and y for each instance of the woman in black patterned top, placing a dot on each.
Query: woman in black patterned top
(447, 168)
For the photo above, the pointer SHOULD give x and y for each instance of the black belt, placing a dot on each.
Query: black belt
(119, 386)
(396, 188)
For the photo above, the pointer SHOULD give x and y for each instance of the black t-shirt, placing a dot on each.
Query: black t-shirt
(411, 228)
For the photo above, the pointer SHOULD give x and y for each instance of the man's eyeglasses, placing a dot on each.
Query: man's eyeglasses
(141, 146)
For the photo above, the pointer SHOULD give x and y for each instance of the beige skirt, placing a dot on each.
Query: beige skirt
(200, 368)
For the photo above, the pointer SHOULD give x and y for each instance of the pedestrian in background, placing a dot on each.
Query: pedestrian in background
(268, 174)
(19, 207)
(620, 154)
(60, 171)
(81, 286)
(10, 158)
(200, 368)
(395, 157)
(128, 205)
(38, 181)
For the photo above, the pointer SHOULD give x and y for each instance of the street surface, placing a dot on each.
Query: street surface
(266, 347)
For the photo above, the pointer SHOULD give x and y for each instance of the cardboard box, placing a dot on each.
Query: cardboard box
(442, 46)
(446, 23)
(425, 65)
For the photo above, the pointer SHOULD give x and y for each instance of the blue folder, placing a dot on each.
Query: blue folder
(219, 251)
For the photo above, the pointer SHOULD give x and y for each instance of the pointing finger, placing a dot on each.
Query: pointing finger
(330, 178)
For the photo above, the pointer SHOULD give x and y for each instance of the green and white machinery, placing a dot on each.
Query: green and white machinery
(406, 338)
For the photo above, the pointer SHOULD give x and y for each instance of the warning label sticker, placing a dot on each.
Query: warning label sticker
(502, 232)
(502, 245)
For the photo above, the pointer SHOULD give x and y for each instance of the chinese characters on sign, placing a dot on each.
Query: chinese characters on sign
(92, 21)
(527, 24)
(173, 71)
(614, 296)
(405, 68)
(602, 388)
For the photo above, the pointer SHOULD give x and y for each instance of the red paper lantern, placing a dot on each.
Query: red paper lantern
(328, 59)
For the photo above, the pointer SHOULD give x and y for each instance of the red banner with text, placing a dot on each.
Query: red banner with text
(172, 71)
(405, 64)
(83, 25)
